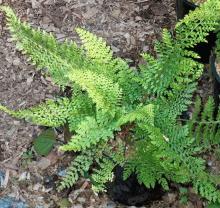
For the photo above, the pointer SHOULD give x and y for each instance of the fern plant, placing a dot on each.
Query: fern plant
(107, 95)
(204, 125)
(217, 47)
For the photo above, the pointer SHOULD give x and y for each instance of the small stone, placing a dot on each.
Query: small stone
(60, 36)
(35, 4)
(61, 173)
(29, 80)
(170, 197)
(11, 202)
(36, 187)
(138, 18)
(210, 163)
(111, 204)
(114, 49)
(81, 200)
(44, 163)
(49, 2)
(116, 13)
(78, 206)
(145, 48)
(2, 178)
(189, 205)
(16, 122)
(24, 176)
(16, 62)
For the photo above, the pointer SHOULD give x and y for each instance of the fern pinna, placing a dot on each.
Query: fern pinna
(108, 95)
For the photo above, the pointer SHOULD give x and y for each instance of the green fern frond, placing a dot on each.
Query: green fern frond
(77, 168)
(145, 113)
(89, 133)
(197, 24)
(195, 115)
(105, 171)
(105, 93)
(43, 49)
(96, 49)
(101, 176)
(204, 125)
(81, 106)
(207, 189)
(52, 113)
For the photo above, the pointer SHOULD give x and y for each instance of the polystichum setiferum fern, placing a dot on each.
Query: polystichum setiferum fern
(108, 94)
(217, 47)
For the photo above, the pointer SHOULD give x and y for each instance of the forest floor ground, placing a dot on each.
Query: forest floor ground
(130, 27)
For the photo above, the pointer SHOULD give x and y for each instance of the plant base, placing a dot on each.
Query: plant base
(130, 192)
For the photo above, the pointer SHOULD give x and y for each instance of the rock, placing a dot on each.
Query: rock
(111, 204)
(44, 163)
(116, 13)
(81, 200)
(7, 202)
(16, 62)
(170, 197)
(145, 48)
(190, 205)
(49, 2)
(78, 206)
(114, 49)
(61, 173)
(210, 163)
(61, 36)
(35, 4)
(24, 176)
(138, 18)
(37, 187)
(29, 80)
(2, 178)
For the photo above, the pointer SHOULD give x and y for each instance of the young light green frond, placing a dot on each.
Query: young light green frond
(81, 106)
(89, 133)
(6, 110)
(105, 93)
(142, 113)
(52, 113)
(44, 50)
(96, 48)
